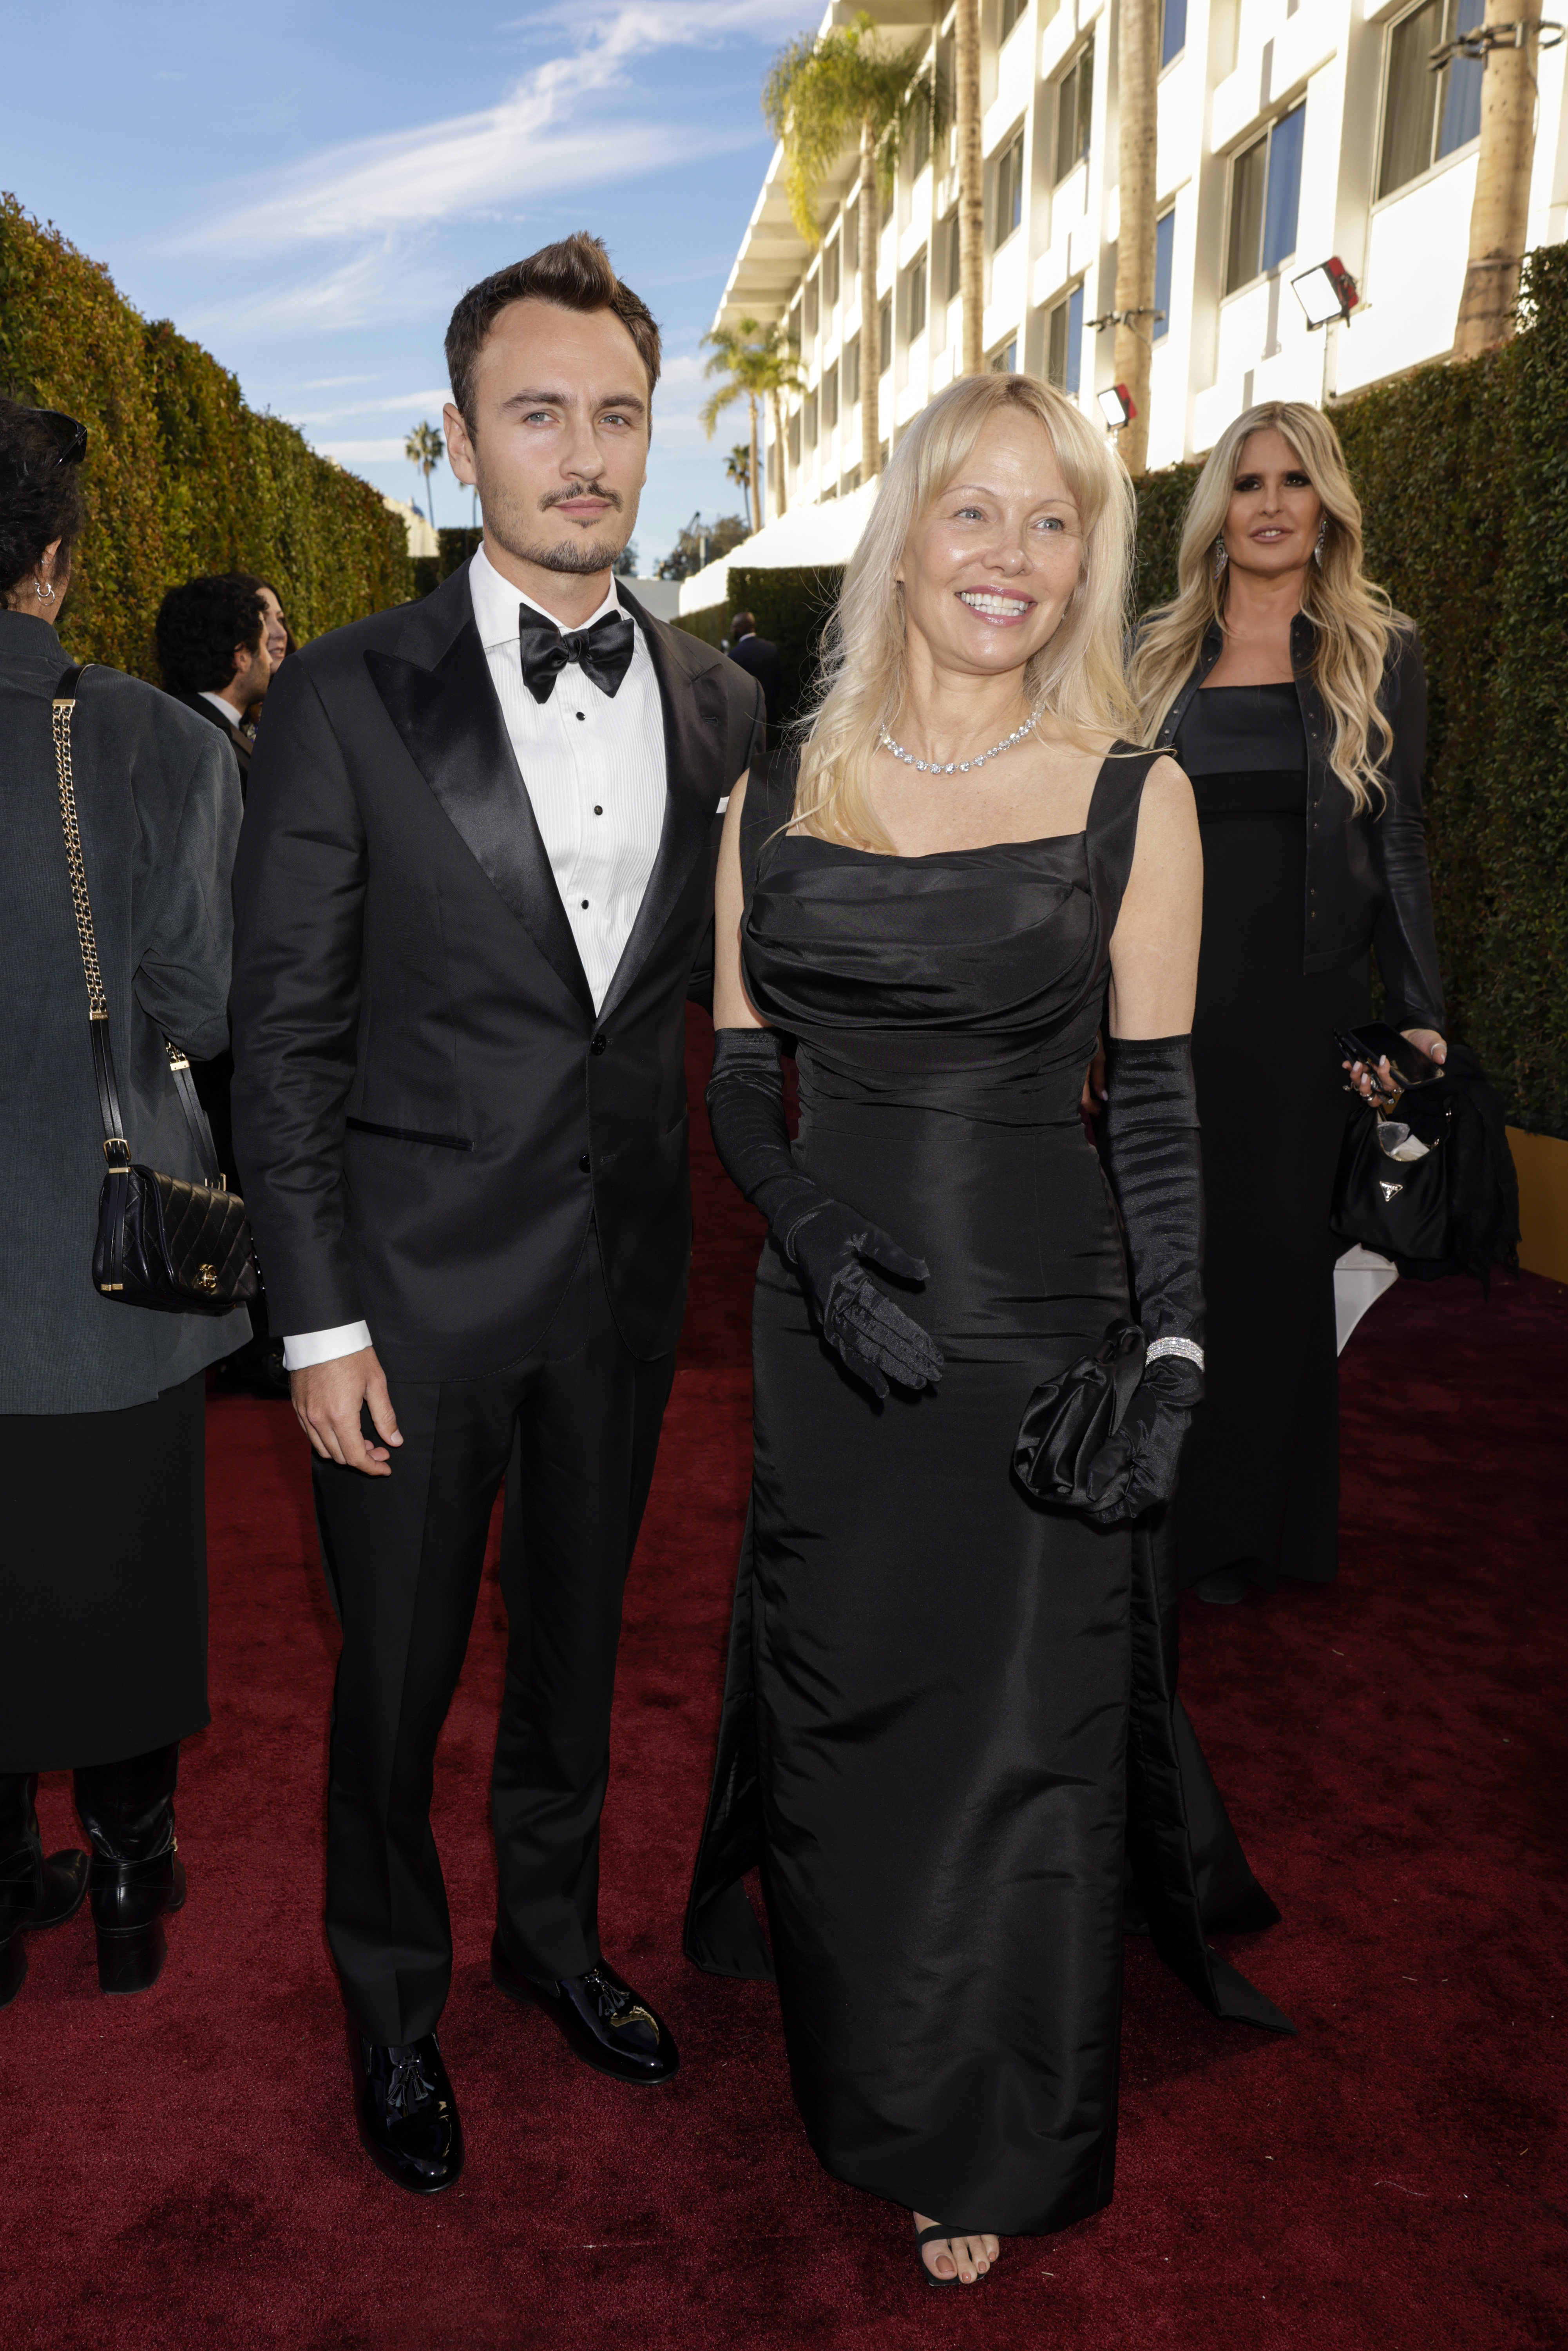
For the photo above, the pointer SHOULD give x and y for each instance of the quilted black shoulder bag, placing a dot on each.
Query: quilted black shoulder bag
(178, 1247)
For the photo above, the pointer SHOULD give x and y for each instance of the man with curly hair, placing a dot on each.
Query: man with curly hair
(212, 641)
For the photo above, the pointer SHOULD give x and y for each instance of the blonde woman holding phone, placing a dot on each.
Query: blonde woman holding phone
(1295, 698)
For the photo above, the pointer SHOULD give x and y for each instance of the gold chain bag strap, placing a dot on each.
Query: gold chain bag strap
(178, 1247)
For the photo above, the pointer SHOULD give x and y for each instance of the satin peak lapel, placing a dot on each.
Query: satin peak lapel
(451, 724)
(696, 721)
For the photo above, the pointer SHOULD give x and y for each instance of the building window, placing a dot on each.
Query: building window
(810, 309)
(917, 298)
(830, 399)
(1265, 197)
(1164, 255)
(851, 243)
(945, 281)
(795, 440)
(810, 414)
(884, 317)
(1074, 112)
(849, 481)
(1005, 360)
(1009, 190)
(852, 366)
(1064, 344)
(1011, 12)
(831, 275)
(1173, 30)
(920, 141)
(1427, 115)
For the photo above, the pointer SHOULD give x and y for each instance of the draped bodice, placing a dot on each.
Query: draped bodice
(970, 981)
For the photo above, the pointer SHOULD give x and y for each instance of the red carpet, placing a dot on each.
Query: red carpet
(182, 2170)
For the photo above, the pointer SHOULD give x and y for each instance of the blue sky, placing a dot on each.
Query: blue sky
(306, 188)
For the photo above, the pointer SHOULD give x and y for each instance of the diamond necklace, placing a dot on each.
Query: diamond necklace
(958, 766)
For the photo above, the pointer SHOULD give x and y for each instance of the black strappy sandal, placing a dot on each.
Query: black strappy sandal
(930, 2236)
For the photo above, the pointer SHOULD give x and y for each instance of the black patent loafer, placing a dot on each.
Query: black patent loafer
(64, 1890)
(599, 2015)
(130, 1902)
(406, 2112)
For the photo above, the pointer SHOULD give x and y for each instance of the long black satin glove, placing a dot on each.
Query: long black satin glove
(1153, 1155)
(828, 1244)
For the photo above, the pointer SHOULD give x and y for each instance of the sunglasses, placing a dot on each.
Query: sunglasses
(71, 436)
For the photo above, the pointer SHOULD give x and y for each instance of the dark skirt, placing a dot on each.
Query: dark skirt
(1259, 1478)
(103, 1582)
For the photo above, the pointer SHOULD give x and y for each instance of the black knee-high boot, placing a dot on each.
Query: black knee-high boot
(135, 1874)
(34, 1893)
(21, 1865)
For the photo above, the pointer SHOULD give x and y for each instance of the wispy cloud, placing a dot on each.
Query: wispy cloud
(362, 453)
(557, 129)
(417, 404)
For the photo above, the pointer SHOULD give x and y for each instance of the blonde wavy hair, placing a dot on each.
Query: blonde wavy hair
(1077, 677)
(1353, 621)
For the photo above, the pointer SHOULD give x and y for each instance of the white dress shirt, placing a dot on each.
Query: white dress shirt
(593, 764)
(224, 709)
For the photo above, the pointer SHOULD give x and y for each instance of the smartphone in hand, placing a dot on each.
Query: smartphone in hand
(1407, 1065)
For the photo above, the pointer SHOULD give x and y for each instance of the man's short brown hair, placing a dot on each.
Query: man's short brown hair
(576, 274)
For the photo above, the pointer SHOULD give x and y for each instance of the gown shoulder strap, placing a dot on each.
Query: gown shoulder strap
(769, 804)
(1112, 831)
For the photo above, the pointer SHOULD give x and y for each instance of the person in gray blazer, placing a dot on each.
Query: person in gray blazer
(103, 1578)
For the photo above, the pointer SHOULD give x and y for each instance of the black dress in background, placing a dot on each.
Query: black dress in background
(925, 1735)
(1259, 1478)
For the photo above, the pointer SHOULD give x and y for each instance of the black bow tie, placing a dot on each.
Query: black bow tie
(603, 652)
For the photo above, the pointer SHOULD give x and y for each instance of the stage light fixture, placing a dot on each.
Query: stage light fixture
(1326, 292)
(1116, 406)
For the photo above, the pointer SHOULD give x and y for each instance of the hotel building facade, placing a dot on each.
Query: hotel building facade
(1289, 132)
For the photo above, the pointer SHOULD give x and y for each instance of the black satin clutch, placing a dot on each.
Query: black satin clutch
(1068, 1420)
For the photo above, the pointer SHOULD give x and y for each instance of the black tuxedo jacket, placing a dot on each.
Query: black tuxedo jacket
(426, 1107)
(237, 742)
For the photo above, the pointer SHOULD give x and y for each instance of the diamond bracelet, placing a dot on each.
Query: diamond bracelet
(1187, 1349)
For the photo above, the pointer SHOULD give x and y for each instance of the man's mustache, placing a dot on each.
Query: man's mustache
(582, 490)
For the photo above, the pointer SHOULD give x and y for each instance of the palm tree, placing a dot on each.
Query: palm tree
(971, 187)
(424, 448)
(1499, 209)
(823, 94)
(737, 469)
(1137, 72)
(760, 365)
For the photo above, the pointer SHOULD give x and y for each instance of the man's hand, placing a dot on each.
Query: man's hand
(328, 1398)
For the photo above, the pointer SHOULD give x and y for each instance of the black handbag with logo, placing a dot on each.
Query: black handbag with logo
(1435, 1189)
(162, 1242)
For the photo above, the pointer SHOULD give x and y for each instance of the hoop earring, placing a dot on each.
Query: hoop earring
(1221, 557)
(1322, 534)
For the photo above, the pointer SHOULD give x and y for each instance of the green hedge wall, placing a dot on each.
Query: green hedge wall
(1462, 472)
(181, 476)
(456, 547)
(791, 606)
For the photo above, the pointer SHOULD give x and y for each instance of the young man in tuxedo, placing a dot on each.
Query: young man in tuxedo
(474, 879)
(214, 651)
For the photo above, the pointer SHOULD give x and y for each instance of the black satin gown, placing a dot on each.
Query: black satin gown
(927, 1720)
(1260, 1480)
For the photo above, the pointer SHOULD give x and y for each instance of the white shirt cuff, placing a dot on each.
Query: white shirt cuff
(324, 1346)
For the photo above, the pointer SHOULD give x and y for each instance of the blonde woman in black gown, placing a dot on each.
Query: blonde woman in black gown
(1294, 697)
(927, 1726)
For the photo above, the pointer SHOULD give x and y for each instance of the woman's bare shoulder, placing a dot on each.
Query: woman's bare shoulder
(1167, 794)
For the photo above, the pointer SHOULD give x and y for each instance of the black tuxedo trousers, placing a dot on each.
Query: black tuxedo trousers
(578, 1417)
(445, 1135)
